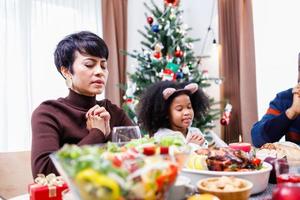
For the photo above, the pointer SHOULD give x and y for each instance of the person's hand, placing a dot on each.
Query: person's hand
(294, 110)
(98, 117)
(195, 138)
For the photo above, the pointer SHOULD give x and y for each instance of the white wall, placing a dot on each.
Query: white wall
(277, 44)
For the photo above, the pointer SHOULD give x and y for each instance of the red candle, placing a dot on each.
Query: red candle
(241, 146)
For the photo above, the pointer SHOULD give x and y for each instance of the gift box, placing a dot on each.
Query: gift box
(49, 187)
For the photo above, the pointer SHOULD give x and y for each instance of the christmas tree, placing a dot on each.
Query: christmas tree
(166, 54)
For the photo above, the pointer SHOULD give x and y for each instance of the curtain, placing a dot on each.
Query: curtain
(114, 14)
(30, 30)
(238, 67)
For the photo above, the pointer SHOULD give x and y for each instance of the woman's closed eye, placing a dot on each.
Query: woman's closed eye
(103, 65)
(89, 64)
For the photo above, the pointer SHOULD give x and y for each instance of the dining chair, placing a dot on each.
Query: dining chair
(15, 173)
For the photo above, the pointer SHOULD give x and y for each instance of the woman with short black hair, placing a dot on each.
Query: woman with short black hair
(81, 58)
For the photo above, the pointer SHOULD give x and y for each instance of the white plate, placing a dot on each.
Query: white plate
(259, 178)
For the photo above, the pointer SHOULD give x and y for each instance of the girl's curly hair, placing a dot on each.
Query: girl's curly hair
(153, 109)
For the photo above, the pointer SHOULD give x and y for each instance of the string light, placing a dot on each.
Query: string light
(209, 30)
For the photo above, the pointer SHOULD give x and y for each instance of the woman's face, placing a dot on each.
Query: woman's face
(181, 113)
(89, 74)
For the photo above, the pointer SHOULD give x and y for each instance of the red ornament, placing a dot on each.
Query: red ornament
(226, 115)
(178, 53)
(150, 20)
(168, 74)
(157, 55)
(224, 121)
(129, 100)
(172, 2)
(168, 71)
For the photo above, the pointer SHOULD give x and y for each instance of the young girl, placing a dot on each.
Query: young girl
(168, 108)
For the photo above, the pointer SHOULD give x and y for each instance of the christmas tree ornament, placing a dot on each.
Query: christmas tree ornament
(168, 75)
(169, 58)
(158, 47)
(177, 60)
(205, 74)
(226, 115)
(129, 100)
(172, 2)
(179, 75)
(178, 53)
(157, 55)
(155, 28)
(172, 66)
(150, 20)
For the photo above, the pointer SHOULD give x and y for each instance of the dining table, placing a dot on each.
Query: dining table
(265, 195)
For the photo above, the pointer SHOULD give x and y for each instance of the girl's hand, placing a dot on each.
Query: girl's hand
(98, 117)
(195, 138)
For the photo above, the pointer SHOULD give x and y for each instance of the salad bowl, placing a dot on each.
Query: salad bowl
(136, 170)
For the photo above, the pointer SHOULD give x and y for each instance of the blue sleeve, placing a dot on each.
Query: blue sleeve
(274, 124)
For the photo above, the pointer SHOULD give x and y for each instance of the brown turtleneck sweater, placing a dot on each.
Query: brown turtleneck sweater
(57, 122)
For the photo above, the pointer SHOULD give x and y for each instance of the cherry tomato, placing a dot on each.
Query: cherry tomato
(256, 162)
(149, 151)
(116, 161)
(167, 178)
(164, 150)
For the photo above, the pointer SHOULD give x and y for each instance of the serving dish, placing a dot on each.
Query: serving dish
(259, 178)
(226, 188)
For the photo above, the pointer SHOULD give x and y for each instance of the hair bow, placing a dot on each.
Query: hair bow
(192, 88)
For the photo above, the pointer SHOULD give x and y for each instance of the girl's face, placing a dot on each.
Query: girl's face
(181, 113)
(89, 74)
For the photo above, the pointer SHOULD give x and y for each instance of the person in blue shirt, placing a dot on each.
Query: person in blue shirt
(281, 119)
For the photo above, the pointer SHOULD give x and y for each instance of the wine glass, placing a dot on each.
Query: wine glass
(125, 133)
(287, 171)
(288, 180)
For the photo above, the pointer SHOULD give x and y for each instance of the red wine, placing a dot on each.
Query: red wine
(288, 178)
